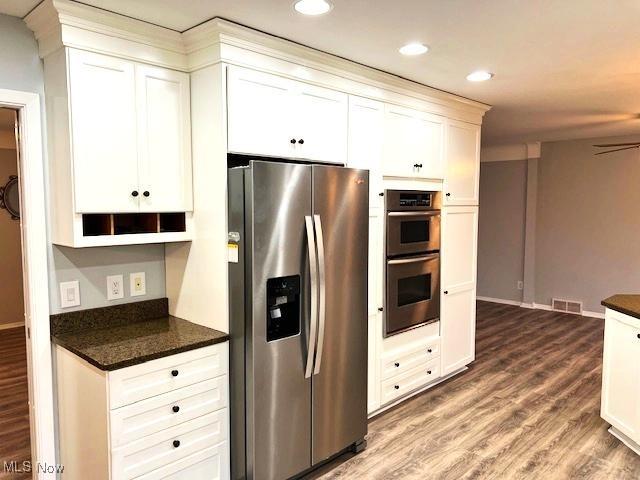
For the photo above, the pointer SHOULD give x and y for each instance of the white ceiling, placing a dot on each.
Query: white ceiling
(563, 68)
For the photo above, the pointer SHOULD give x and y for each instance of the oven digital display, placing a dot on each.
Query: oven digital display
(415, 199)
(414, 231)
(414, 289)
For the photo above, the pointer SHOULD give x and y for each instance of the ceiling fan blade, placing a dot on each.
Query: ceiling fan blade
(617, 150)
(617, 144)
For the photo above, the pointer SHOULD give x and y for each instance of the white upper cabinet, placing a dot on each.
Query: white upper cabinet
(103, 132)
(164, 127)
(259, 114)
(413, 144)
(273, 116)
(462, 152)
(366, 139)
(130, 131)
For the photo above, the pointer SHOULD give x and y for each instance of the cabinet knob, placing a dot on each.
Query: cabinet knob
(419, 165)
(639, 335)
(176, 443)
(397, 387)
(146, 193)
(380, 309)
(175, 409)
(429, 350)
(381, 194)
(446, 292)
(301, 141)
(134, 193)
(428, 372)
(397, 364)
(448, 194)
(174, 373)
(293, 141)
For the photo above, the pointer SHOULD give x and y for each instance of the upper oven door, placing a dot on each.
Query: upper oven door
(413, 232)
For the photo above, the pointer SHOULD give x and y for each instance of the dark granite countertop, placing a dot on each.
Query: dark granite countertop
(627, 304)
(116, 337)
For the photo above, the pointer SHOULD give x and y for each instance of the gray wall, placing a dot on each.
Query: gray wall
(588, 225)
(21, 69)
(503, 190)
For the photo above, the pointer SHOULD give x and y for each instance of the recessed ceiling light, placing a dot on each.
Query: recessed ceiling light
(479, 76)
(414, 48)
(312, 7)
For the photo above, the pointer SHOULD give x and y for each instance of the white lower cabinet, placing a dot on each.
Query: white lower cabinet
(163, 419)
(621, 377)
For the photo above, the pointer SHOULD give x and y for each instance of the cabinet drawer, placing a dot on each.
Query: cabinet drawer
(407, 382)
(149, 379)
(398, 362)
(162, 448)
(158, 413)
(210, 463)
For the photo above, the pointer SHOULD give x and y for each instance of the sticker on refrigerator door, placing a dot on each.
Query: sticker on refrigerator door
(232, 252)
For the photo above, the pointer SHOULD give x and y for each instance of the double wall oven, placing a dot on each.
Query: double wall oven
(412, 259)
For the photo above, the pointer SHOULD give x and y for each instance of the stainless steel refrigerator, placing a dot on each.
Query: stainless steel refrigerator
(298, 310)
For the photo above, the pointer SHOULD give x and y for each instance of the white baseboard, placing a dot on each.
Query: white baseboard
(536, 306)
(7, 326)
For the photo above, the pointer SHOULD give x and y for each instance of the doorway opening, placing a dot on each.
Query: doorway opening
(15, 434)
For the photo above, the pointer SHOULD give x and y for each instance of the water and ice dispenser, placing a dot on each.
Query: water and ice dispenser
(283, 307)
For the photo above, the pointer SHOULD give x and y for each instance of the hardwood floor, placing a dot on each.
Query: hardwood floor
(14, 402)
(527, 408)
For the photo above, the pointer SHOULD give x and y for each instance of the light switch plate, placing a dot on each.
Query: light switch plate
(138, 285)
(69, 294)
(115, 287)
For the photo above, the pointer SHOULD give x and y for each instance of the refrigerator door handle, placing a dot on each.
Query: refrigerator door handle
(322, 307)
(313, 273)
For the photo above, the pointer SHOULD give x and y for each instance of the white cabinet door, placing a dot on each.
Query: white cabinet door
(260, 114)
(458, 270)
(621, 374)
(376, 279)
(373, 368)
(320, 123)
(366, 135)
(103, 132)
(164, 134)
(462, 175)
(413, 144)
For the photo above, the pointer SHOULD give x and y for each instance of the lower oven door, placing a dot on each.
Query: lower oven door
(413, 292)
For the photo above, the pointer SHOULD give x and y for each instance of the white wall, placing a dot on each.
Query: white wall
(21, 69)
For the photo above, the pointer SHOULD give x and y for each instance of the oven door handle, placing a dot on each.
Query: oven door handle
(426, 213)
(423, 258)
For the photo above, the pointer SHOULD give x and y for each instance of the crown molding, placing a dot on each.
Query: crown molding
(63, 23)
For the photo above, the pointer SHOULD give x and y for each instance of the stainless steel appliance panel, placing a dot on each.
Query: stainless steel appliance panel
(413, 292)
(341, 214)
(279, 395)
(411, 232)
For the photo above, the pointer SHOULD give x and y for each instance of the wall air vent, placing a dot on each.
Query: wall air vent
(566, 306)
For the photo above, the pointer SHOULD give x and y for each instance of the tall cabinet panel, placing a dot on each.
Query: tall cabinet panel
(458, 310)
(164, 133)
(462, 153)
(103, 132)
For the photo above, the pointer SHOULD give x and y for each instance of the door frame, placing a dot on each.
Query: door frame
(35, 274)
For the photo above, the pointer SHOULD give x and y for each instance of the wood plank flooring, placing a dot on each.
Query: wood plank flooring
(14, 402)
(527, 408)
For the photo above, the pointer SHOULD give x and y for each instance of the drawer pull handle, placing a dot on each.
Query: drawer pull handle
(396, 387)
(176, 443)
(174, 373)
(428, 372)
(429, 350)
(397, 364)
(175, 409)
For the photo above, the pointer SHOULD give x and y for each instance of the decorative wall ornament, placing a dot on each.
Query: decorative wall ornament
(10, 197)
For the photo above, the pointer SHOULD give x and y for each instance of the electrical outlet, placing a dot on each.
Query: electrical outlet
(138, 284)
(520, 284)
(115, 287)
(70, 294)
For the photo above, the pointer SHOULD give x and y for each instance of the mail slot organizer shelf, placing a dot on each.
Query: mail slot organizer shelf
(96, 224)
